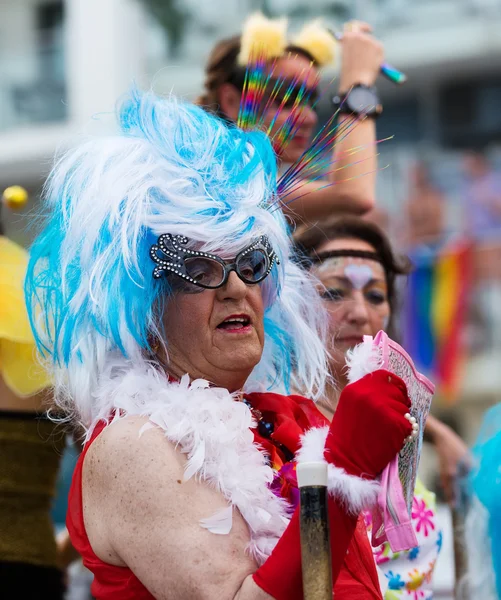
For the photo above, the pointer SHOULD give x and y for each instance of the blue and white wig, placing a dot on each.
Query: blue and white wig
(172, 168)
(483, 523)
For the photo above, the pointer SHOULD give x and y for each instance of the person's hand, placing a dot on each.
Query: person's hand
(369, 426)
(66, 554)
(362, 56)
(451, 451)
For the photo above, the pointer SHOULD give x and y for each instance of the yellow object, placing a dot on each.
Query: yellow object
(19, 366)
(429, 497)
(15, 196)
(30, 452)
(266, 38)
(318, 42)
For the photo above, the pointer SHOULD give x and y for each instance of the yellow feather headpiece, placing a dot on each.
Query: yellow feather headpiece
(318, 42)
(268, 39)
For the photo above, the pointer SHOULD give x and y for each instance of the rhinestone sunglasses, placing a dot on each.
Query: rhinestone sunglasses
(209, 271)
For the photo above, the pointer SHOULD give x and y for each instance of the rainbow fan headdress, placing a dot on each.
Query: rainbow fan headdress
(266, 94)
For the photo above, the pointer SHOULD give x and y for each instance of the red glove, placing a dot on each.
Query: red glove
(369, 426)
(368, 429)
(281, 576)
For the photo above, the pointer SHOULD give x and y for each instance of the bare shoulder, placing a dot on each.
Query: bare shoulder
(127, 465)
(130, 448)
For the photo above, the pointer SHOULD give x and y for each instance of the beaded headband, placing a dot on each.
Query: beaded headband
(318, 258)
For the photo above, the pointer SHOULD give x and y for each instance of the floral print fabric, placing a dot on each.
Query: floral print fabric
(407, 575)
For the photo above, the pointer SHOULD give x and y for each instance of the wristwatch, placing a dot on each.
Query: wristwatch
(361, 100)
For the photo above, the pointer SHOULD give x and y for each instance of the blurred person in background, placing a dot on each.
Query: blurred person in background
(425, 218)
(353, 174)
(482, 224)
(31, 445)
(380, 217)
(358, 269)
(482, 198)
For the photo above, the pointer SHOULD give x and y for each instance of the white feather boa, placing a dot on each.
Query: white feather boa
(365, 358)
(212, 429)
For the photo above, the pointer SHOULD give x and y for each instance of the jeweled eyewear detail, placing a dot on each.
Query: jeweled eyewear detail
(209, 271)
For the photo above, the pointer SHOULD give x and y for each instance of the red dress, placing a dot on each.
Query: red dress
(291, 416)
(110, 582)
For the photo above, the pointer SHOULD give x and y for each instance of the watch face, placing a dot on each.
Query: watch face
(362, 100)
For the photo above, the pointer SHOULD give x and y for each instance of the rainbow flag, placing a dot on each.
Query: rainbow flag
(435, 312)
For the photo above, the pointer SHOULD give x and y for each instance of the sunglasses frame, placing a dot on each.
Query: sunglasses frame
(291, 88)
(171, 246)
(285, 86)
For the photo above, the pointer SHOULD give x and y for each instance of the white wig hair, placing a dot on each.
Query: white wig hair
(171, 168)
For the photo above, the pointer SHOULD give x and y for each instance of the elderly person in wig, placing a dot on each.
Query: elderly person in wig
(163, 298)
(358, 269)
(347, 187)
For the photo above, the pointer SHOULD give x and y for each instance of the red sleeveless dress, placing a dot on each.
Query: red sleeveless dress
(291, 416)
(110, 582)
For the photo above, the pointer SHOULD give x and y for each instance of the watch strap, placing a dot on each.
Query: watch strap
(342, 104)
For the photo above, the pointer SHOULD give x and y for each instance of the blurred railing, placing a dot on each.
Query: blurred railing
(32, 86)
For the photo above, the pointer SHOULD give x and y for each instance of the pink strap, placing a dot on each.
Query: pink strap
(392, 523)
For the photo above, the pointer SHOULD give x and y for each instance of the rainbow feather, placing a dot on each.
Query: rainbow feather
(255, 83)
(264, 89)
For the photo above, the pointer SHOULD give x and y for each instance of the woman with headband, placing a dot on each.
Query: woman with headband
(358, 269)
(163, 298)
(349, 183)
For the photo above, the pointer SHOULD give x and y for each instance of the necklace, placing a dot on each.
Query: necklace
(265, 428)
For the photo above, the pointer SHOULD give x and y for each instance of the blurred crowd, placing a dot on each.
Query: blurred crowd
(457, 202)
(448, 223)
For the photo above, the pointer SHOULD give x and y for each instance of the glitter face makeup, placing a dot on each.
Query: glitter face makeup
(359, 275)
(358, 272)
(356, 294)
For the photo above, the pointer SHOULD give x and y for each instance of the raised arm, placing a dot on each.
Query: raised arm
(353, 174)
(451, 451)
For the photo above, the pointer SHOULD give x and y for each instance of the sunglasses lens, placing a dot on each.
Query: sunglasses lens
(287, 96)
(206, 272)
(313, 98)
(253, 266)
